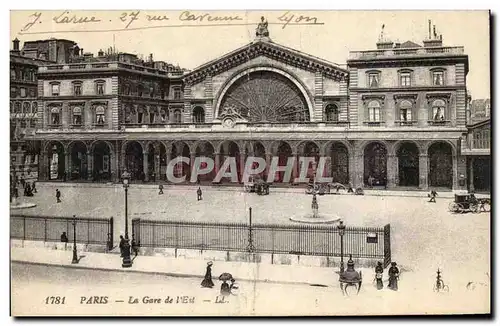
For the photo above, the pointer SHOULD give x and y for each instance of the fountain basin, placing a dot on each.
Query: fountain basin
(311, 219)
(22, 205)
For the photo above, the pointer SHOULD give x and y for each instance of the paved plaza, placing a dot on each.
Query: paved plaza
(422, 233)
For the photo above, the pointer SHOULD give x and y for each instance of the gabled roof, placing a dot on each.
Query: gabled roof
(269, 49)
(410, 44)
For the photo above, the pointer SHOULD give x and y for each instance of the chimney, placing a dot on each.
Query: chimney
(81, 52)
(151, 57)
(434, 40)
(15, 44)
(100, 53)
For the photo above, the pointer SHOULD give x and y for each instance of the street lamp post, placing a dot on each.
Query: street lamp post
(75, 256)
(341, 228)
(127, 262)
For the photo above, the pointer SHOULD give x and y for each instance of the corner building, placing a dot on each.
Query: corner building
(395, 115)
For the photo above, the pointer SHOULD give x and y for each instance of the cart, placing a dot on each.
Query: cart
(464, 203)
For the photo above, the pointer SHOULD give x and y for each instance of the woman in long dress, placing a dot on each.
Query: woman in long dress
(207, 280)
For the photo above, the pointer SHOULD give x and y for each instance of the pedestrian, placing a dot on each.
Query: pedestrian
(379, 272)
(207, 280)
(34, 187)
(393, 277)
(64, 237)
(432, 195)
(350, 190)
(225, 289)
(135, 248)
(64, 176)
(23, 182)
(58, 195)
(199, 193)
(160, 188)
(122, 245)
(198, 180)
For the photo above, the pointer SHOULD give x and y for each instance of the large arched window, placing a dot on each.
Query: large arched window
(438, 110)
(198, 115)
(100, 115)
(265, 96)
(331, 113)
(405, 108)
(77, 116)
(55, 116)
(374, 111)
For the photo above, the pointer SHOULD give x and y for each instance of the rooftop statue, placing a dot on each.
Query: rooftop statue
(262, 30)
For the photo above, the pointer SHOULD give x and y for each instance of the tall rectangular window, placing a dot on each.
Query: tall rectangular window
(77, 89)
(373, 79)
(55, 89)
(405, 79)
(177, 93)
(99, 88)
(438, 78)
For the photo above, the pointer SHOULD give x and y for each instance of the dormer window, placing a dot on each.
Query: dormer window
(373, 79)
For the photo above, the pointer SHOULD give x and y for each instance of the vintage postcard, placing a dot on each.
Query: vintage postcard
(250, 163)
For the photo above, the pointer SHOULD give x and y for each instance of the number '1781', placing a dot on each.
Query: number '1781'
(55, 300)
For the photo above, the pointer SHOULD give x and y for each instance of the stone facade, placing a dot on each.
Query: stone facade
(393, 118)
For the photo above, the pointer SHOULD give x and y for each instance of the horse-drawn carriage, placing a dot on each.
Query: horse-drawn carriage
(469, 203)
(257, 185)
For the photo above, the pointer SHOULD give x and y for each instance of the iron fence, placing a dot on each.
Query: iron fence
(46, 228)
(315, 240)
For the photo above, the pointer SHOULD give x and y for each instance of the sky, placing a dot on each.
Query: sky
(335, 34)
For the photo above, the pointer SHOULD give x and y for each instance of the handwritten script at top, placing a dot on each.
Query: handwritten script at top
(133, 20)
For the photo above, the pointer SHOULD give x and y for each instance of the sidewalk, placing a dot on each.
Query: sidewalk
(188, 268)
(236, 187)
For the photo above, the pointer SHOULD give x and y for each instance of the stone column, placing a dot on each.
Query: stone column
(392, 170)
(145, 166)
(67, 164)
(43, 166)
(295, 171)
(123, 164)
(359, 170)
(268, 165)
(113, 162)
(243, 157)
(157, 166)
(217, 163)
(90, 167)
(471, 174)
(455, 172)
(192, 157)
(423, 171)
(352, 168)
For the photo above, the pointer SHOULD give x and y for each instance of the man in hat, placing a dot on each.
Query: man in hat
(199, 193)
(160, 188)
(393, 277)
